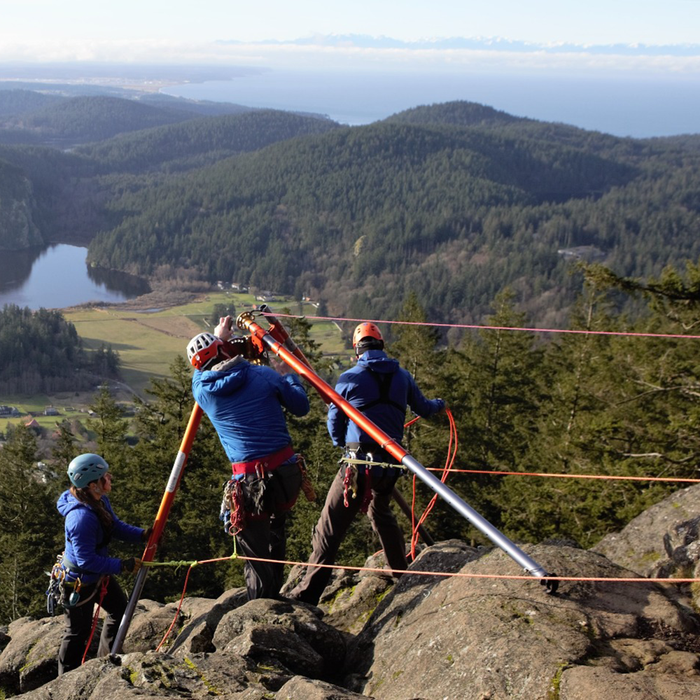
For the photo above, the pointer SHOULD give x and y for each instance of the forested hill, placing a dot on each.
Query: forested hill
(454, 201)
(199, 141)
(83, 119)
(455, 114)
(468, 114)
(66, 191)
(27, 116)
(16, 103)
(360, 215)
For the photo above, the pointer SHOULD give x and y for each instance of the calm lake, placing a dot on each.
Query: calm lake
(58, 277)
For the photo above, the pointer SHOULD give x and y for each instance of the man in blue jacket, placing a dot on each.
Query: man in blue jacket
(245, 403)
(380, 388)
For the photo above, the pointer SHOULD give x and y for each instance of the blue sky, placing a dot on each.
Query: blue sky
(177, 31)
(577, 21)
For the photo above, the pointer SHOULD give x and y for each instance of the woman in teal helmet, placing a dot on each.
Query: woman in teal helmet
(90, 524)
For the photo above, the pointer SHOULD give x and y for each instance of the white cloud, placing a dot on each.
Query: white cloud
(348, 57)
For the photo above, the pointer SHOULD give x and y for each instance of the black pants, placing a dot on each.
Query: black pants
(334, 523)
(78, 622)
(263, 534)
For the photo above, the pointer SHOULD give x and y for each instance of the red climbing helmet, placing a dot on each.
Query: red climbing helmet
(367, 336)
(202, 349)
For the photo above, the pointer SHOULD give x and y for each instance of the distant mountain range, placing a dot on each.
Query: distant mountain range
(482, 44)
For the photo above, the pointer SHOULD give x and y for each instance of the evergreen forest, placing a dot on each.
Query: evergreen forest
(43, 354)
(452, 201)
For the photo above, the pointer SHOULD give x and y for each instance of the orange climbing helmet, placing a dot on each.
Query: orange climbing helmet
(367, 337)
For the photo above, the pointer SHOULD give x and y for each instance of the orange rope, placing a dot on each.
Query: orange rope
(571, 476)
(179, 605)
(443, 574)
(449, 462)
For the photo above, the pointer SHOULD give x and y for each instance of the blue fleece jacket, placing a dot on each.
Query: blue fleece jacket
(359, 387)
(86, 542)
(244, 403)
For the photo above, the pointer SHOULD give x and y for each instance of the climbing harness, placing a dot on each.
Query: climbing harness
(383, 381)
(261, 465)
(64, 587)
(255, 488)
(351, 473)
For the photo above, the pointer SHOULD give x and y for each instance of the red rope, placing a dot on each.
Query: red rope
(179, 606)
(449, 463)
(103, 593)
(627, 334)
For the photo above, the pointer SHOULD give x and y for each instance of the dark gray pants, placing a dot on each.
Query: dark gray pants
(263, 534)
(78, 622)
(334, 523)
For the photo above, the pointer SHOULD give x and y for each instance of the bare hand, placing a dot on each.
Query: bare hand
(280, 367)
(224, 330)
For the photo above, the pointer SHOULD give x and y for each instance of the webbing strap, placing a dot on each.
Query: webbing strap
(383, 381)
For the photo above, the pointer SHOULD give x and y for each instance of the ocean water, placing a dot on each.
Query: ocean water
(632, 106)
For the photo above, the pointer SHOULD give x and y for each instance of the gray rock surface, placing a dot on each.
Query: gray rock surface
(427, 637)
(495, 638)
(661, 542)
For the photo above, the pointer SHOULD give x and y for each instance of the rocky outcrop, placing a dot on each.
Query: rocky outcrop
(427, 637)
(499, 638)
(661, 542)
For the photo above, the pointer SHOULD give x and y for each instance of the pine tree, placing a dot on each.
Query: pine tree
(110, 428)
(64, 447)
(30, 528)
(496, 390)
(193, 530)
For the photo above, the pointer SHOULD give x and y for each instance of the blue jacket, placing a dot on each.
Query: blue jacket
(245, 403)
(360, 386)
(86, 541)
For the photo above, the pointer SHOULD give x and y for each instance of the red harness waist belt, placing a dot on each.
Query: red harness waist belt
(268, 462)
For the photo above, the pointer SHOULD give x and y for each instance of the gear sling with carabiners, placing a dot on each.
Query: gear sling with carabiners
(363, 458)
(65, 588)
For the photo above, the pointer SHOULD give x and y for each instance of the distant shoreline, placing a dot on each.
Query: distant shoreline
(140, 78)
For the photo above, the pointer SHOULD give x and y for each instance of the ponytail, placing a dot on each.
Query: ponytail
(97, 504)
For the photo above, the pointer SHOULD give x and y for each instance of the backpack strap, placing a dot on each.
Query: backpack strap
(383, 381)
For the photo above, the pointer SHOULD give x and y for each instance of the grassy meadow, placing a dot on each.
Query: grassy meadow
(147, 342)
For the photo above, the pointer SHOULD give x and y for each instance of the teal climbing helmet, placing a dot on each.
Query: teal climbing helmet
(86, 468)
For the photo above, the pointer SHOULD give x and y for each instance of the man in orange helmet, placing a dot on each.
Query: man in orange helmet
(380, 388)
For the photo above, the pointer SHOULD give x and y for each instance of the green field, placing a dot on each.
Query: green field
(147, 343)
